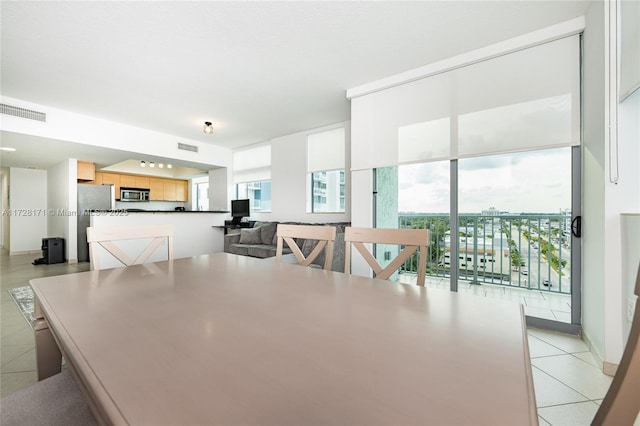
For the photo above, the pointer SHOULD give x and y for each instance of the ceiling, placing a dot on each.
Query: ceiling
(257, 70)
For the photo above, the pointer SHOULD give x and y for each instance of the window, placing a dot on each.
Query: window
(259, 194)
(325, 166)
(252, 176)
(327, 189)
(200, 190)
(508, 129)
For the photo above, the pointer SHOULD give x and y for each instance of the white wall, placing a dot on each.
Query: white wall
(4, 184)
(28, 208)
(68, 126)
(220, 188)
(604, 292)
(62, 201)
(289, 180)
(593, 180)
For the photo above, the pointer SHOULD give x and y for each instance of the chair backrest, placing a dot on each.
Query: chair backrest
(105, 237)
(411, 239)
(621, 404)
(325, 235)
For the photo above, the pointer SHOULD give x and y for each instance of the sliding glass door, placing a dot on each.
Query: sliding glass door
(514, 226)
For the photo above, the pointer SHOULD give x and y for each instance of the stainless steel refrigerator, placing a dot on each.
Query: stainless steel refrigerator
(91, 197)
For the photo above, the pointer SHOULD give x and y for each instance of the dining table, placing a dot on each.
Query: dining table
(222, 339)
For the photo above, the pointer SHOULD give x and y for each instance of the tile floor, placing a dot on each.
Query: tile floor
(568, 383)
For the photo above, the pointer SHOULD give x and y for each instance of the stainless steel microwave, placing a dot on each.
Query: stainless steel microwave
(134, 194)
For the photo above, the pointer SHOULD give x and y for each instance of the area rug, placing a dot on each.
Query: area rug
(23, 296)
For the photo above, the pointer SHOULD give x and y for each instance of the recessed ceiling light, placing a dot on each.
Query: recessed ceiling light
(8, 149)
(208, 127)
(169, 166)
(160, 165)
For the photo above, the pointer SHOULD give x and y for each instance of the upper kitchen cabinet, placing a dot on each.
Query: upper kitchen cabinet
(86, 171)
(112, 179)
(182, 190)
(98, 179)
(142, 182)
(170, 190)
(128, 181)
(156, 186)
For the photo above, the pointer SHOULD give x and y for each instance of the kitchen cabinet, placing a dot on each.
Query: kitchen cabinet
(97, 180)
(142, 182)
(128, 181)
(112, 179)
(169, 190)
(156, 187)
(182, 190)
(86, 171)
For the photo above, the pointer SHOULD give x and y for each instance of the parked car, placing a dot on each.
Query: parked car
(546, 283)
(525, 272)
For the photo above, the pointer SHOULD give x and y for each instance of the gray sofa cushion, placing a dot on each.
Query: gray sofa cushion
(241, 249)
(262, 251)
(267, 233)
(250, 236)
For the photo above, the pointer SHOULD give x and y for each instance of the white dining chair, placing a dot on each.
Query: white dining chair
(412, 239)
(326, 236)
(105, 238)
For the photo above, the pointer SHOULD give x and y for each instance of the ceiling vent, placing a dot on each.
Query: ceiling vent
(23, 113)
(185, 147)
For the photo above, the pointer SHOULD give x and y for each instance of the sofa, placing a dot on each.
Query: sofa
(261, 239)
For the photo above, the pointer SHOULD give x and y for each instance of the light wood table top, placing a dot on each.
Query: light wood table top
(225, 339)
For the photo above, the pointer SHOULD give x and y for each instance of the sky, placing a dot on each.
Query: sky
(528, 182)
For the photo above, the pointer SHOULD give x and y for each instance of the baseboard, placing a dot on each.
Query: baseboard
(17, 253)
(72, 261)
(607, 368)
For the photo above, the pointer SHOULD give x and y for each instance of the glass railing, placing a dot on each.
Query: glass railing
(524, 251)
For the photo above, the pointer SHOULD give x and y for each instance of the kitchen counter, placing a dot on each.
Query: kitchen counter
(193, 233)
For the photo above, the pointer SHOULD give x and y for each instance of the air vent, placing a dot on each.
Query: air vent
(23, 113)
(185, 147)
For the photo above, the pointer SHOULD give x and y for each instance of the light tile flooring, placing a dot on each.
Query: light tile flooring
(568, 383)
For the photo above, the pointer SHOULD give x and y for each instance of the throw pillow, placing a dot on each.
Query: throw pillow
(267, 232)
(250, 236)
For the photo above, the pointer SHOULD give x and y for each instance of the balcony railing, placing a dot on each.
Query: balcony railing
(525, 251)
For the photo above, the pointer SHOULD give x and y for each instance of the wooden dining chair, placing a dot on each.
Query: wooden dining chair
(326, 236)
(105, 237)
(621, 404)
(412, 239)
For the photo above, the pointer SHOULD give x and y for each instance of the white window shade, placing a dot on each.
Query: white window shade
(325, 150)
(252, 165)
(522, 101)
(526, 100)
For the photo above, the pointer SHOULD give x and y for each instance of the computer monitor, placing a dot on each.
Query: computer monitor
(239, 209)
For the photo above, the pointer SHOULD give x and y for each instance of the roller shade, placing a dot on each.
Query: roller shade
(252, 165)
(525, 100)
(325, 150)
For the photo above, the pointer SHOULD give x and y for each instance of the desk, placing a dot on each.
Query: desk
(225, 339)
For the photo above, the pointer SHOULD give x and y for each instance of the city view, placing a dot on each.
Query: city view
(514, 221)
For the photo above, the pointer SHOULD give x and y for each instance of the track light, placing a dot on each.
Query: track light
(208, 127)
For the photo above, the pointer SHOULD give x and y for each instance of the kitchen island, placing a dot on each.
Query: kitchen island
(195, 232)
